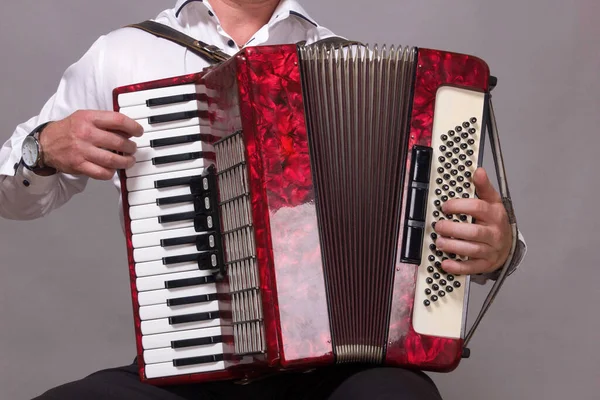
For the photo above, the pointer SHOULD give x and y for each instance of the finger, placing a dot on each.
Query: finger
(464, 248)
(108, 159)
(96, 172)
(478, 209)
(468, 267)
(484, 188)
(471, 232)
(117, 122)
(112, 141)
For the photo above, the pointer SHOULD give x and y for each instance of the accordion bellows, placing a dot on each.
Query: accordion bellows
(281, 214)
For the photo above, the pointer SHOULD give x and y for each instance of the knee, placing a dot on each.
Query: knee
(387, 384)
(67, 391)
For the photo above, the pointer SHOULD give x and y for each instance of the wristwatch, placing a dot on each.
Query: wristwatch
(31, 151)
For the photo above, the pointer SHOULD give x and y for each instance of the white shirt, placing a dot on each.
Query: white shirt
(123, 57)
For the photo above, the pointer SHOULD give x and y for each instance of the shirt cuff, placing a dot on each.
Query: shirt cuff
(34, 183)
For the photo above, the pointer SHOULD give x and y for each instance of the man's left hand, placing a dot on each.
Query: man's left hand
(486, 242)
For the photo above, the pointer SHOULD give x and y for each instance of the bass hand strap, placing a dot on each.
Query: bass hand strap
(212, 53)
(508, 204)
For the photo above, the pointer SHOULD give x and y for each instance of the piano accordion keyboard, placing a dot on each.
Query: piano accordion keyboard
(184, 325)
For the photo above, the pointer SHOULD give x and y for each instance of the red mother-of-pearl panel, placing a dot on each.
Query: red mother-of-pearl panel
(260, 218)
(231, 105)
(405, 346)
(279, 153)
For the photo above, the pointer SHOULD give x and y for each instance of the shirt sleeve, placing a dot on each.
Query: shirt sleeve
(25, 195)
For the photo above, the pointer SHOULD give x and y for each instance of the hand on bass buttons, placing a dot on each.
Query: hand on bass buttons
(486, 242)
(87, 142)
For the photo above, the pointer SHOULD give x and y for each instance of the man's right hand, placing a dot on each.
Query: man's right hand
(87, 143)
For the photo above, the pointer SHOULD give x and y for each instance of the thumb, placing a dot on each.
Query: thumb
(484, 188)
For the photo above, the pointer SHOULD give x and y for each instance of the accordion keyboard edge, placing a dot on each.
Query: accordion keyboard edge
(281, 210)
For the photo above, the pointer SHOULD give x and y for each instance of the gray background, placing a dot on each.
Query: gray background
(65, 307)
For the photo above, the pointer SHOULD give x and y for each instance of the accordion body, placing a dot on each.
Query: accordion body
(280, 213)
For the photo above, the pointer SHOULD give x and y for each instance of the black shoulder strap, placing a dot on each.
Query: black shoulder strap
(212, 53)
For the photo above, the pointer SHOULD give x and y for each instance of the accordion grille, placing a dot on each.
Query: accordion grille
(357, 113)
(240, 247)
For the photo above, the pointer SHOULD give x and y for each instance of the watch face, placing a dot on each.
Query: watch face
(30, 151)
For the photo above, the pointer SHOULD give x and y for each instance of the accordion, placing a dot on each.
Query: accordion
(281, 211)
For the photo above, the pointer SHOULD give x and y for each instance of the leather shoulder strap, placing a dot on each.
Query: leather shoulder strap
(211, 53)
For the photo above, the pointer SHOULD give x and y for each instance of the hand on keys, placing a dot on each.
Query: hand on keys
(486, 242)
(88, 142)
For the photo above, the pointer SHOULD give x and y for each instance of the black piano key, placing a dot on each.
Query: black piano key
(181, 157)
(178, 98)
(182, 362)
(186, 180)
(202, 242)
(205, 260)
(186, 198)
(177, 241)
(202, 206)
(180, 344)
(175, 140)
(182, 301)
(181, 283)
(198, 317)
(199, 184)
(163, 219)
(180, 259)
(159, 119)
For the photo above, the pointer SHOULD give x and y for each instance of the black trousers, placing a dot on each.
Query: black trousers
(345, 382)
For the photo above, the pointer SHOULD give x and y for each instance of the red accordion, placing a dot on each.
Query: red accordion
(280, 213)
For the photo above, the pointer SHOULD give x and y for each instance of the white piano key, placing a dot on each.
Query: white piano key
(140, 97)
(161, 296)
(143, 111)
(163, 126)
(164, 311)
(157, 282)
(152, 210)
(148, 153)
(158, 268)
(168, 354)
(144, 140)
(154, 238)
(162, 325)
(147, 182)
(150, 196)
(147, 225)
(162, 340)
(157, 252)
(167, 369)
(146, 167)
